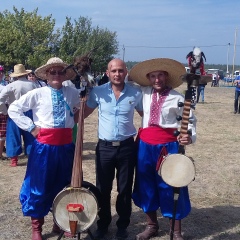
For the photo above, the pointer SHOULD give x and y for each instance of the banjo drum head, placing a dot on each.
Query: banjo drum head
(75, 195)
(177, 170)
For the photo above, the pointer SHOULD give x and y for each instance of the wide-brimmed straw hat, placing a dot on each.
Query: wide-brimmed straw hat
(19, 70)
(174, 68)
(41, 72)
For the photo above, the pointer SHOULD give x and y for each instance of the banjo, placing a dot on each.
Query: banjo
(75, 208)
(178, 170)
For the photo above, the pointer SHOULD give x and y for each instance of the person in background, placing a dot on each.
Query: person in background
(50, 162)
(115, 151)
(32, 77)
(158, 78)
(200, 91)
(104, 79)
(237, 94)
(2, 76)
(214, 79)
(9, 94)
(3, 130)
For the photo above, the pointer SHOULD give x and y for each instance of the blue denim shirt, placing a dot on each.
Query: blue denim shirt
(115, 116)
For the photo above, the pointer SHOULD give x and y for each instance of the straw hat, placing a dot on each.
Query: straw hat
(54, 62)
(174, 68)
(19, 70)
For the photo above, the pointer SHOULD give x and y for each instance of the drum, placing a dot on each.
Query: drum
(177, 170)
(84, 218)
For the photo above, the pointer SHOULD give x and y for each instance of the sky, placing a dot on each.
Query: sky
(149, 29)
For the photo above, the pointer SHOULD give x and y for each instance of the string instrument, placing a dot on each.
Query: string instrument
(75, 208)
(178, 170)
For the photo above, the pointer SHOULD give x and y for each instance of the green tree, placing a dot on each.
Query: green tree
(27, 38)
(79, 38)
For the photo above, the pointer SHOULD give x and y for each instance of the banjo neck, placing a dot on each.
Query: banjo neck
(186, 111)
(76, 181)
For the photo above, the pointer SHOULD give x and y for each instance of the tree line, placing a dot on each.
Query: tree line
(30, 39)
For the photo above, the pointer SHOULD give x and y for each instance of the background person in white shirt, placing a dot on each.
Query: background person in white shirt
(10, 93)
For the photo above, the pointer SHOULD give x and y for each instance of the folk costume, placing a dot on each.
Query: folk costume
(50, 161)
(14, 135)
(156, 139)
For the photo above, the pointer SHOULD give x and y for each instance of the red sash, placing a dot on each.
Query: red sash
(157, 135)
(55, 136)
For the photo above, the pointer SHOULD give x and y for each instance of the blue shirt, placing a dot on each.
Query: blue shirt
(115, 116)
(238, 84)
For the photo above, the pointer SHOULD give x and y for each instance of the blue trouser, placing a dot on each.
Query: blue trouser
(200, 91)
(150, 191)
(236, 107)
(14, 138)
(49, 170)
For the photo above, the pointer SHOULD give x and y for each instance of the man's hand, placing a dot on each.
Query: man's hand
(35, 131)
(184, 139)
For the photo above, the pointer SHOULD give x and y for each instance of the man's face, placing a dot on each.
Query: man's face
(158, 80)
(117, 72)
(55, 77)
(31, 77)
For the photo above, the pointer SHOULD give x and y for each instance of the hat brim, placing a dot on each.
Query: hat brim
(174, 68)
(20, 74)
(41, 72)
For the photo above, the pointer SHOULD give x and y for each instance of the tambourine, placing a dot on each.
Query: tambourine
(70, 197)
(177, 170)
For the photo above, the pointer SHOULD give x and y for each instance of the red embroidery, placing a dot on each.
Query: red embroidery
(156, 106)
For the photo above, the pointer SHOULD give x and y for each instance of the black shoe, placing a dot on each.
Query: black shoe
(121, 233)
(235, 112)
(100, 233)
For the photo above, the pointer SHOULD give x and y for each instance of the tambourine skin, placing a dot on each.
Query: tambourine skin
(75, 195)
(177, 170)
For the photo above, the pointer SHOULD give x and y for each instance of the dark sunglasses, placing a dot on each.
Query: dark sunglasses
(54, 72)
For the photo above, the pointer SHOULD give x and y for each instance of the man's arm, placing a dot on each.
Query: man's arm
(87, 111)
(4, 95)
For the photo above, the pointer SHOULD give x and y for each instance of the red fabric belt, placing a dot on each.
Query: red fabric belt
(55, 136)
(157, 135)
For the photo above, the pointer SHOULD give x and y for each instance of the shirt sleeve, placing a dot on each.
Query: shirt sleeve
(4, 95)
(139, 106)
(18, 107)
(92, 99)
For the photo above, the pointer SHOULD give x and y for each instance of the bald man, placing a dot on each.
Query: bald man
(116, 102)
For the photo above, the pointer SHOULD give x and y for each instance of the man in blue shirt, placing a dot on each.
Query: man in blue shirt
(116, 102)
(237, 94)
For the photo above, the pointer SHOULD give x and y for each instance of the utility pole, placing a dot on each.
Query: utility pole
(228, 57)
(123, 52)
(234, 53)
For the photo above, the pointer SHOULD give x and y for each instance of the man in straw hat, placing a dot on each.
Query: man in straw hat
(116, 102)
(9, 94)
(54, 110)
(158, 78)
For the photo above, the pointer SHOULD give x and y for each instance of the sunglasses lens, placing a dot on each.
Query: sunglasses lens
(61, 73)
